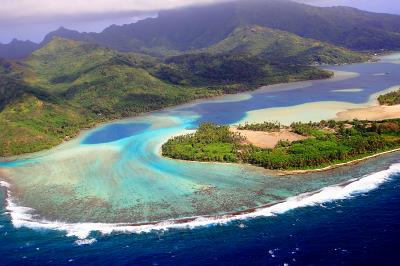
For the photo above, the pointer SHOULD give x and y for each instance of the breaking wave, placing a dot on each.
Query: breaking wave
(23, 216)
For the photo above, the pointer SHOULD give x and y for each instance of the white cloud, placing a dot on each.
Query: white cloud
(29, 8)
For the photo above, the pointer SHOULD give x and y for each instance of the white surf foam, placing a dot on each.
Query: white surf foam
(81, 242)
(22, 216)
(4, 184)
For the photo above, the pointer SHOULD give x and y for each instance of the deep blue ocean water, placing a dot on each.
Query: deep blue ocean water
(364, 230)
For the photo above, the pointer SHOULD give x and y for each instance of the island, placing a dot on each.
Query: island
(296, 147)
(300, 146)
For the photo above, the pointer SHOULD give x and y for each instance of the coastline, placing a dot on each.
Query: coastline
(372, 113)
(338, 75)
(21, 217)
(334, 166)
(294, 172)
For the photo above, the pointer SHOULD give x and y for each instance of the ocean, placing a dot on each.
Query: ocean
(109, 198)
(361, 230)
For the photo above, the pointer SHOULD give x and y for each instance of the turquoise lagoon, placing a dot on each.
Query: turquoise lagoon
(115, 175)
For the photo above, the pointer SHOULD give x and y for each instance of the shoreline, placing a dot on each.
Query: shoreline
(21, 216)
(334, 166)
(372, 113)
(294, 172)
(338, 75)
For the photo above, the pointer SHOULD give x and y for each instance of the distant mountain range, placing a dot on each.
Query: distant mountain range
(75, 80)
(17, 49)
(194, 28)
(67, 85)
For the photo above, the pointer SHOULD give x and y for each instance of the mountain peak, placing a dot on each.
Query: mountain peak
(17, 49)
(64, 29)
(56, 45)
(16, 41)
(63, 33)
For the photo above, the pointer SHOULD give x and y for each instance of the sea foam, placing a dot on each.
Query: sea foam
(4, 184)
(89, 241)
(23, 217)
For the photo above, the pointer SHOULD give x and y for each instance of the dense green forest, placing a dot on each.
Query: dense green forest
(278, 46)
(266, 126)
(232, 72)
(391, 98)
(199, 27)
(329, 142)
(69, 85)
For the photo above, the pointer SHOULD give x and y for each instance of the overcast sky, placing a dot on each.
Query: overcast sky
(32, 19)
(385, 6)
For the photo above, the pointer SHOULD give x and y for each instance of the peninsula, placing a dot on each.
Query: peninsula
(299, 146)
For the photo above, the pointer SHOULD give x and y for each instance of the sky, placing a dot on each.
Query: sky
(383, 6)
(33, 19)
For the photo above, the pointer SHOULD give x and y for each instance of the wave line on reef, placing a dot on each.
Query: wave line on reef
(23, 216)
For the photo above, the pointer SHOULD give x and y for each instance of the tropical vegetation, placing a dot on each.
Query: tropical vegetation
(193, 28)
(391, 98)
(69, 85)
(328, 142)
(265, 126)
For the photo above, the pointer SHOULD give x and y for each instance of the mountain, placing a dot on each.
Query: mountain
(254, 55)
(69, 85)
(280, 46)
(199, 27)
(193, 28)
(64, 33)
(80, 79)
(17, 49)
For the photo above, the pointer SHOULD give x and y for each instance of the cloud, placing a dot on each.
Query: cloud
(33, 19)
(385, 6)
(13, 9)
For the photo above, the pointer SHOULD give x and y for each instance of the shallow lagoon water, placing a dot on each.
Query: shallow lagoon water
(121, 178)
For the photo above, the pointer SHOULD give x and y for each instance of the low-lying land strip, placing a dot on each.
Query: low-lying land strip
(390, 99)
(388, 108)
(323, 144)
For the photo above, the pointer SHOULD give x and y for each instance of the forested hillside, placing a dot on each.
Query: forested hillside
(199, 27)
(193, 28)
(69, 85)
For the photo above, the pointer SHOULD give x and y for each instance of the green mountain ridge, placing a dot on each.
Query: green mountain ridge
(197, 27)
(280, 46)
(69, 85)
(194, 28)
